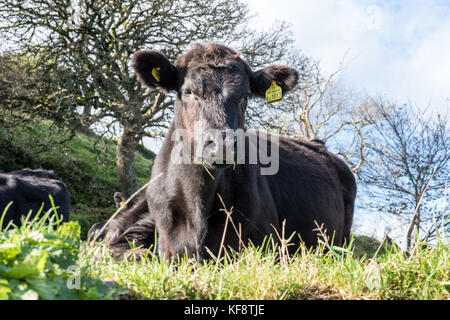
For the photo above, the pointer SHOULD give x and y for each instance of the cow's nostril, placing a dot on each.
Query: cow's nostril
(210, 144)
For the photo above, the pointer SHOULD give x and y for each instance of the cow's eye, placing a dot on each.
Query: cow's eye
(187, 92)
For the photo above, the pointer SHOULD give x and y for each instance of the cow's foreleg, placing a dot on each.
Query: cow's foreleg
(116, 227)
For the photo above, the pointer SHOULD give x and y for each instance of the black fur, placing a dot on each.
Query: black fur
(28, 190)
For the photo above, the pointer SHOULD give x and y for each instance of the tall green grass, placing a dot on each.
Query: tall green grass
(327, 272)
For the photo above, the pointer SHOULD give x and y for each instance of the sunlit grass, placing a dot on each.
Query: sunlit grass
(324, 273)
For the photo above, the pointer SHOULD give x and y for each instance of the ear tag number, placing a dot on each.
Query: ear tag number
(274, 93)
(155, 73)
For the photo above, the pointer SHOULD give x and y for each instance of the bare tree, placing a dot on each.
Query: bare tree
(406, 170)
(86, 46)
(320, 108)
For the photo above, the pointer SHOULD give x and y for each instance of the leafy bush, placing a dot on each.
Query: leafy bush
(39, 261)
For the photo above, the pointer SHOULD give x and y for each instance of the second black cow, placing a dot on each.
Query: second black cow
(29, 189)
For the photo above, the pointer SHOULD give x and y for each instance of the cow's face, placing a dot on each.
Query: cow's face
(211, 106)
(213, 85)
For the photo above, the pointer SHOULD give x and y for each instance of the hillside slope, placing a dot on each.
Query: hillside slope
(86, 163)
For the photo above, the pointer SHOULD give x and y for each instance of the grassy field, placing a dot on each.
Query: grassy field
(36, 261)
(256, 273)
(86, 164)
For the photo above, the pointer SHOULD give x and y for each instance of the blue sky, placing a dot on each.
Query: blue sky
(398, 49)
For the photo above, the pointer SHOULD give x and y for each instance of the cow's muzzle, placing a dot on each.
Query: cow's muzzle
(219, 149)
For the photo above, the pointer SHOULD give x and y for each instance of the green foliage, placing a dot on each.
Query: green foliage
(35, 262)
(422, 274)
(365, 246)
(39, 261)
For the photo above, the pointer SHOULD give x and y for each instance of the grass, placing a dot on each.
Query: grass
(86, 164)
(263, 273)
(36, 257)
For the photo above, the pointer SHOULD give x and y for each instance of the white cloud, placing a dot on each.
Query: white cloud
(400, 49)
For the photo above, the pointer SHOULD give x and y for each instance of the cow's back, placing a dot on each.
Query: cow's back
(311, 187)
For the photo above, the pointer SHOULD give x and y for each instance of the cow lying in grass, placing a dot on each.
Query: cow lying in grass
(29, 189)
(309, 186)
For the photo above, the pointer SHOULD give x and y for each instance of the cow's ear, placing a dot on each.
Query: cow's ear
(154, 70)
(284, 76)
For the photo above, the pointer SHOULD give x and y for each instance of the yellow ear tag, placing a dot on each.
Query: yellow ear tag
(274, 93)
(155, 73)
(121, 203)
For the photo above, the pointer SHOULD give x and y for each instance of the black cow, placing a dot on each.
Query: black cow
(28, 189)
(311, 186)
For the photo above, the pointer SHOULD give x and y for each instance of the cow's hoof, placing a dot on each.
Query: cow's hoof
(112, 235)
(93, 232)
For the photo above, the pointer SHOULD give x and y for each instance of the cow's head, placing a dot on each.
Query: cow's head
(213, 85)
